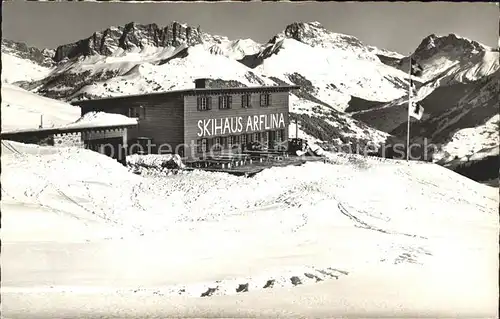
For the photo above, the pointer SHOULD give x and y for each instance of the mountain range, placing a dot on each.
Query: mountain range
(351, 93)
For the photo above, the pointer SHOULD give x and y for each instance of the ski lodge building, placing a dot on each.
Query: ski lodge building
(193, 122)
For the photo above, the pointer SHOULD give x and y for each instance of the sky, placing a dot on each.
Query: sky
(396, 26)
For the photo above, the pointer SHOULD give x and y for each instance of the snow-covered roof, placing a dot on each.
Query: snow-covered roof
(195, 91)
(102, 119)
(90, 120)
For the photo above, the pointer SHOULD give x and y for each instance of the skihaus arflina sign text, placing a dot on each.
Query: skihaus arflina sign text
(240, 124)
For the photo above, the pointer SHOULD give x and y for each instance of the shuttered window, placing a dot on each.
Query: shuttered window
(217, 144)
(225, 102)
(204, 103)
(265, 99)
(278, 136)
(246, 101)
(138, 112)
(202, 145)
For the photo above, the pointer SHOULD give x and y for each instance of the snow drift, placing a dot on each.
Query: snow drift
(284, 226)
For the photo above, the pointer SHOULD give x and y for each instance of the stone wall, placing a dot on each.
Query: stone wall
(68, 140)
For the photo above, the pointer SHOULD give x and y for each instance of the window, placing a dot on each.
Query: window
(280, 142)
(265, 99)
(246, 101)
(225, 102)
(223, 142)
(137, 112)
(279, 136)
(217, 144)
(265, 136)
(243, 139)
(204, 103)
(256, 137)
(202, 145)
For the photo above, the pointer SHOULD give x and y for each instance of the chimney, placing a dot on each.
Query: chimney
(201, 83)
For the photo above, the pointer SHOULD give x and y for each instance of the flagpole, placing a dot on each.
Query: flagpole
(409, 106)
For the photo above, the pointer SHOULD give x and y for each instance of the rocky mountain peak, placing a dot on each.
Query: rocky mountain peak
(132, 35)
(451, 44)
(315, 34)
(41, 57)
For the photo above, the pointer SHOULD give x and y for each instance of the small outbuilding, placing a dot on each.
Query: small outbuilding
(100, 132)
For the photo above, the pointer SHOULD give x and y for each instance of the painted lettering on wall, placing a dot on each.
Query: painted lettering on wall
(240, 124)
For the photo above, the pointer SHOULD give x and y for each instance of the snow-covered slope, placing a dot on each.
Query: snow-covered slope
(23, 110)
(236, 49)
(179, 73)
(23, 63)
(16, 69)
(459, 91)
(320, 222)
(451, 58)
(335, 74)
(472, 143)
(340, 66)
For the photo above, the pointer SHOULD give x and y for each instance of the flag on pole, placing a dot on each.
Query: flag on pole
(415, 68)
(416, 110)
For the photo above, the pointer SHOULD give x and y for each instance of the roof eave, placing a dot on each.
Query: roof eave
(193, 91)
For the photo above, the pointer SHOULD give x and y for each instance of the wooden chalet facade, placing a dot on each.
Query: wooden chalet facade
(195, 121)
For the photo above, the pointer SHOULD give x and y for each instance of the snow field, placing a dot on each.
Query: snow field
(22, 109)
(15, 69)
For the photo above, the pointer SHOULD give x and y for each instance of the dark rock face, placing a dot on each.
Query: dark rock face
(130, 36)
(358, 104)
(479, 170)
(387, 60)
(312, 33)
(433, 44)
(42, 57)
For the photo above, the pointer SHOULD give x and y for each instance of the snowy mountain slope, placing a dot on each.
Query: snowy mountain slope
(16, 69)
(23, 63)
(460, 91)
(42, 57)
(450, 58)
(232, 49)
(472, 143)
(459, 120)
(385, 53)
(478, 105)
(456, 108)
(22, 110)
(178, 73)
(343, 66)
(315, 35)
